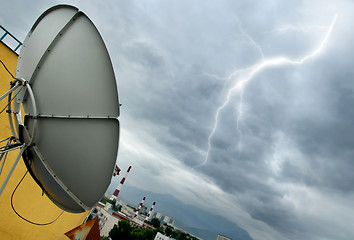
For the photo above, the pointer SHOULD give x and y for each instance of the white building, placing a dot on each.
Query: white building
(160, 236)
(106, 222)
(162, 218)
(120, 202)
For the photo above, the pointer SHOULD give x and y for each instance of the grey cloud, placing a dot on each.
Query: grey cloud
(296, 100)
(172, 60)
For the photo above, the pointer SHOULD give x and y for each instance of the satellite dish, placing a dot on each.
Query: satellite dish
(70, 133)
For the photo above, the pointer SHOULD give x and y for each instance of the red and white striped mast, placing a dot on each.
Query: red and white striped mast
(152, 207)
(139, 207)
(116, 192)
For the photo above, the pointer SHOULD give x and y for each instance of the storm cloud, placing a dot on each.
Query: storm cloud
(275, 155)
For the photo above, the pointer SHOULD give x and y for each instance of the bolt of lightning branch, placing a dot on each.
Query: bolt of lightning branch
(251, 72)
(300, 29)
(250, 39)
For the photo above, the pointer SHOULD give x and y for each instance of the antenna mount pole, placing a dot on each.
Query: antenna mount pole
(18, 144)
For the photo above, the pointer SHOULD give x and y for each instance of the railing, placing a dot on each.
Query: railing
(7, 33)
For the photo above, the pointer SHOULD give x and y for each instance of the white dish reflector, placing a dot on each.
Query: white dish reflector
(65, 61)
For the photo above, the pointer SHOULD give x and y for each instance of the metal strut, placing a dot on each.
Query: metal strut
(13, 141)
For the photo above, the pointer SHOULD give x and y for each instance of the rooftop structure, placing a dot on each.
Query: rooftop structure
(160, 236)
(221, 237)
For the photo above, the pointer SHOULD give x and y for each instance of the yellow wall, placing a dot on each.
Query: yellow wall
(28, 199)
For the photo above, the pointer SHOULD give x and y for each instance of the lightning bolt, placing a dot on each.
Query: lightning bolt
(250, 39)
(300, 29)
(247, 74)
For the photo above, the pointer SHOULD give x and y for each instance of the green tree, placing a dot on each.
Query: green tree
(168, 231)
(113, 202)
(114, 232)
(174, 234)
(121, 232)
(160, 229)
(182, 236)
(104, 200)
(178, 235)
(155, 222)
(143, 234)
(149, 234)
(115, 208)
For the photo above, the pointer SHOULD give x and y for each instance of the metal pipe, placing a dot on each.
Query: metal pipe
(11, 149)
(3, 155)
(5, 139)
(12, 169)
(10, 91)
(31, 95)
(10, 116)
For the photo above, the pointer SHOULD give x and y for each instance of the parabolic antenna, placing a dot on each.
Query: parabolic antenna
(70, 100)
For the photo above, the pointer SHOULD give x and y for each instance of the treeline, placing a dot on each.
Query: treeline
(124, 231)
(177, 234)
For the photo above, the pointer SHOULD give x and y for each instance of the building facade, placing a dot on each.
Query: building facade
(163, 218)
(106, 222)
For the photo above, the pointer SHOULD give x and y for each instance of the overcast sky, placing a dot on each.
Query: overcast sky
(243, 105)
